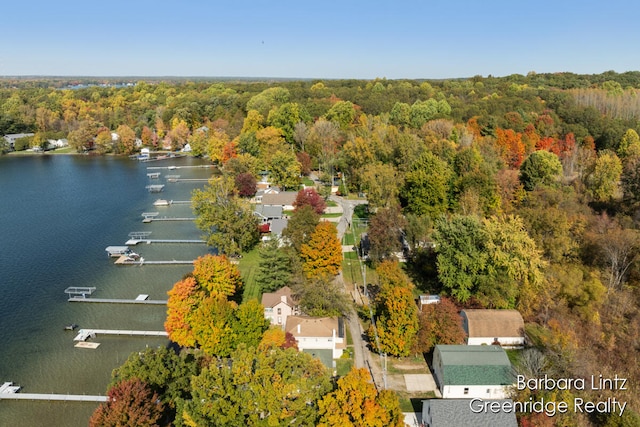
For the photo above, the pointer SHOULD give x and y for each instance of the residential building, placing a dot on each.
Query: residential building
(279, 305)
(472, 371)
(503, 327)
(283, 198)
(12, 137)
(458, 412)
(324, 337)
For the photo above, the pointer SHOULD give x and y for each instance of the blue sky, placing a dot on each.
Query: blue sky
(330, 39)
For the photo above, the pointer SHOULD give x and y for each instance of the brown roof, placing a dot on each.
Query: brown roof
(494, 323)
(280, 199)
(271, 299)
(312, 326)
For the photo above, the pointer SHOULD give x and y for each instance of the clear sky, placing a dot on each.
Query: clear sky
(322, 39)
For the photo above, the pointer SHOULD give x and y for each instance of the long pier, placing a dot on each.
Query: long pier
(83, 334)
(133, 242)
(187, 179)
(54, 397)
(181, 167)
(124, 260)
(119, 301)
(166, 218)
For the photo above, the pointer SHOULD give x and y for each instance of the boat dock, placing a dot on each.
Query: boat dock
(153, 175)
(141, 299)
(125, 260)
(153, 216)
(79, 292)
(134, 242)
(180, 167)
(84, 334)
(189, 180)
(156, 188)
(10, 391)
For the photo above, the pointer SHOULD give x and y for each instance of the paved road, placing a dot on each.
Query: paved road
(361, 354)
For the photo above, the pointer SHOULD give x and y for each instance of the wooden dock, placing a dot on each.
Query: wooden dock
(84, 334)
(188, 179)
(124, 260)
(54, 397)
(180, 167)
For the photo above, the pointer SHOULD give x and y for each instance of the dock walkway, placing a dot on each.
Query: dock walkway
(84, 334)
(54, 397)
(124, 260)
(119, 301)
(133, 242)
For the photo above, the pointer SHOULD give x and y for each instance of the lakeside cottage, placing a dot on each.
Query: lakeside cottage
(503, 327)
(472, 371)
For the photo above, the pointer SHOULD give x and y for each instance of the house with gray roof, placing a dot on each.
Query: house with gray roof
(463, 412)
(283, 198)
(268, 213)
(472, 371)
(503, 327)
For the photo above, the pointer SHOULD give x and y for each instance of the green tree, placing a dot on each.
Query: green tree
(300, 227)
(342, 113)
(426, 189)
(268, 99)
(258, 388)
(228, 221)
(357, 403)
(286, 117)
(540, 168)
(603, 182)
(322, 255)
(167, 373)
(274, 269)
(493, 260)
(400, 114)
(629, 144)
(321, 296)
(381, 182)
(284, 170)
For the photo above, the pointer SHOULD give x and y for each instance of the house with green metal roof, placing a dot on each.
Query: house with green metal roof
(468, 371)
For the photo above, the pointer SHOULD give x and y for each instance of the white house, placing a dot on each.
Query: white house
(279, 305)
(504, 327)
(472, 371)
(318, 334)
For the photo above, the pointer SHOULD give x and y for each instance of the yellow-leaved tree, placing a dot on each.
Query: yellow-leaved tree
(356, 402)
(322, 255)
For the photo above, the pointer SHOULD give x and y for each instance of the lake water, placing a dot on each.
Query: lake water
(57, 216)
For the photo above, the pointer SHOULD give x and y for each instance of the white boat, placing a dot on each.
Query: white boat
(161, 202)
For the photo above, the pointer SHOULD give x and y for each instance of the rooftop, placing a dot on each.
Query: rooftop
(475, 365)
(457, 412)
(494, 323)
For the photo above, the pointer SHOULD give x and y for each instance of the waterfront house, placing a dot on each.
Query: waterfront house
(503, 327)
(12, 137)
(472, 371)
(267, 213)
(458, 412)
(283, 198)
(279, 305)
(323, 337)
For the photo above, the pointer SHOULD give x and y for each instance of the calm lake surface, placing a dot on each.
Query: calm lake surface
(57, 216)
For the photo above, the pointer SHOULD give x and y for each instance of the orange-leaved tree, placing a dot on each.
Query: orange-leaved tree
(356, 402)
(201, 314)
(322, 255)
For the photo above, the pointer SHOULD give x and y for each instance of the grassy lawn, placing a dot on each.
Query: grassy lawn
(352, 273)
(248, 267)
(308, 182)
(332, 215)
(343, 366)
(331, 204)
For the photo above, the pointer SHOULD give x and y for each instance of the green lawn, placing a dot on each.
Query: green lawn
(248, 267)
(332, 215)
(308, 182)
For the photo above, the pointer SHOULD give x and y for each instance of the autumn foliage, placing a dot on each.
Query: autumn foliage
(322, 255)
(356, 402)
(131, 404)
